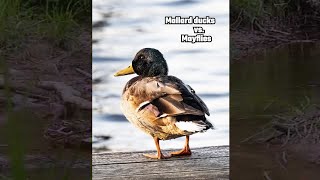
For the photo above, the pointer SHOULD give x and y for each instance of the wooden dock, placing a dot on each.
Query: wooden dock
(204, 163)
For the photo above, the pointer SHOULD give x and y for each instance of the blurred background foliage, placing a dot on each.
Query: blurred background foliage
(56, 20)
(259, 11)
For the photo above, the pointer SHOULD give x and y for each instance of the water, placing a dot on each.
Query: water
(124, 28)
(264, 85)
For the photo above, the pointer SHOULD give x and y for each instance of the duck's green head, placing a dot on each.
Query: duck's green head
(148, 62)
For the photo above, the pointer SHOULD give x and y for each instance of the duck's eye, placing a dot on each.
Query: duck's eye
(141, 57)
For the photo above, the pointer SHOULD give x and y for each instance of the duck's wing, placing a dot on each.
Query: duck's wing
(167, 96)
(189, 95)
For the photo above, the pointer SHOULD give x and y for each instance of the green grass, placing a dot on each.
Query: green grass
(61, 19)
(59, 24)
(56, 20)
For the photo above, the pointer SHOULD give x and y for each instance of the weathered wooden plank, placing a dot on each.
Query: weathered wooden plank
(205, 163)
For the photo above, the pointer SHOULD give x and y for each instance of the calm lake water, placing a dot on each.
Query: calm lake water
(265, 85)
(121, 29)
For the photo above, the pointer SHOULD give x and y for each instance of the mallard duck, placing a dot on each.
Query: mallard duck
(159, 104)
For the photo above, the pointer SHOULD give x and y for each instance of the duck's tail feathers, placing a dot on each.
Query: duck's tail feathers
(194, 126)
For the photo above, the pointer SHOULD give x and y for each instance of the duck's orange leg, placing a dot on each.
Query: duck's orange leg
(185, 151)
(159, 154)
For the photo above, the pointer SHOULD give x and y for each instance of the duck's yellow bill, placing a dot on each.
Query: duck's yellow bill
(125, 71)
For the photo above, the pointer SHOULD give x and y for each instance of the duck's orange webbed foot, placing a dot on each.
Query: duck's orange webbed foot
(156, 156)
(159, 154)
(185, 151)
